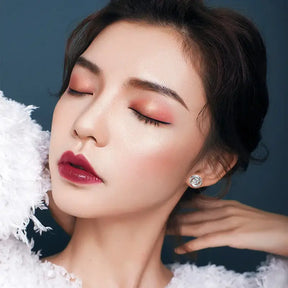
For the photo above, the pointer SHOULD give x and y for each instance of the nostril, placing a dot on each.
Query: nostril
(93, 138)
(83, 135)
(75, 133)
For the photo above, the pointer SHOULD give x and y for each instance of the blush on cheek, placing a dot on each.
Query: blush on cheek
(163, 164)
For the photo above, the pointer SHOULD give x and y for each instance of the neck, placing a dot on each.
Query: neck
(118, 252)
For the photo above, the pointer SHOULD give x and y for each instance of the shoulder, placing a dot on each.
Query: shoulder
(273, 270)
(19, 267)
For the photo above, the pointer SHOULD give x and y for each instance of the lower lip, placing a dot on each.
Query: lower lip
(77, 175)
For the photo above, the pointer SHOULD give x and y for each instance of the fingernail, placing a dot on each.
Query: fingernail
(179, 251)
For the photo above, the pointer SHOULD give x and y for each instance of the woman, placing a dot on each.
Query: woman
(180, 105)
(187, 90)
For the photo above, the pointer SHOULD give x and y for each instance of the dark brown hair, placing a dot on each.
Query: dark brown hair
(231, 60)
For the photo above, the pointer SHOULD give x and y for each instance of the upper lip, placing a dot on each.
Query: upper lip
(78, 160)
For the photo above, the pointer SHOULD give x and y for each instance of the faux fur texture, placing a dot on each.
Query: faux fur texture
(19, 268)
(23, 179)
(273, 273)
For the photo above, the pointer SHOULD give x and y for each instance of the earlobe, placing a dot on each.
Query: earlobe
(210, 171)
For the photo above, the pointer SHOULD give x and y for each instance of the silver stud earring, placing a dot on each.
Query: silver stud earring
(195, 181)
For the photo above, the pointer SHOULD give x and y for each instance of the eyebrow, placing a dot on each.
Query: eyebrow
(83, 62)
(135, 82)
(155, 87)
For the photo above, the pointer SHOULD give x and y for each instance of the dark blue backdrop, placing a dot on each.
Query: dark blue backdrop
(32, 39)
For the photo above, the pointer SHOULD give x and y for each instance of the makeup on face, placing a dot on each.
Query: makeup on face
(153, 108)
(126, 101)
(77, 169)
(82, 81)
(147, 100)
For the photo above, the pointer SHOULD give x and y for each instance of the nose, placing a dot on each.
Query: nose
(91, 123)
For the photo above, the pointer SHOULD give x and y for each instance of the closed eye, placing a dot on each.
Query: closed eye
(148, 120)
(78, 93)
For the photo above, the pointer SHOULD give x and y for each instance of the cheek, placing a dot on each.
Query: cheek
(64, 114)
(56, 128)
(148, 177)
(158, 166)
(159, 161)
(59, 130)
(59, 116)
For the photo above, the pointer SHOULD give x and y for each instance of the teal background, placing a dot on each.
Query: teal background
(32, 41)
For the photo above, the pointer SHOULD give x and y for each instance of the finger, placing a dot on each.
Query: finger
(202, 215)
(193, 203)
(211, 214)
(206, 203)
(223, 238)
(214, 226)
(201, 203)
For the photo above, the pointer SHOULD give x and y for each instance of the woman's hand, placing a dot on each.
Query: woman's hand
(64, 220)
(230, 223)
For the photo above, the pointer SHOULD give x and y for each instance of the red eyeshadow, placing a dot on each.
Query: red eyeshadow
(79, 81)
(156, 109)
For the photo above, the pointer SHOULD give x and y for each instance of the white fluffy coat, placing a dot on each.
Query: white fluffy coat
(23, 178)
(20, 268)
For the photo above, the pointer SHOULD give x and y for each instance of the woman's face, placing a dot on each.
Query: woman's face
(129, 72)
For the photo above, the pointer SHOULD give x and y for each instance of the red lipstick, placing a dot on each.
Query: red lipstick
(77, 169)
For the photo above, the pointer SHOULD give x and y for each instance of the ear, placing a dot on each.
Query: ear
(211, 169)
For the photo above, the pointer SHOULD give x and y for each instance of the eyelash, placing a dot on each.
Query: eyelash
(77, 93)
(141, 117)
(148, 120)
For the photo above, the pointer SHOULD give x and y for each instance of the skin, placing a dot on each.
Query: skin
(125, 217)
(216, 223)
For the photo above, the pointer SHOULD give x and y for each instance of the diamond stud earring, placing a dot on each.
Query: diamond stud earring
(195, 181)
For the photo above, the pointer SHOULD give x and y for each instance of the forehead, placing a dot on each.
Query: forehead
(155, 53)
